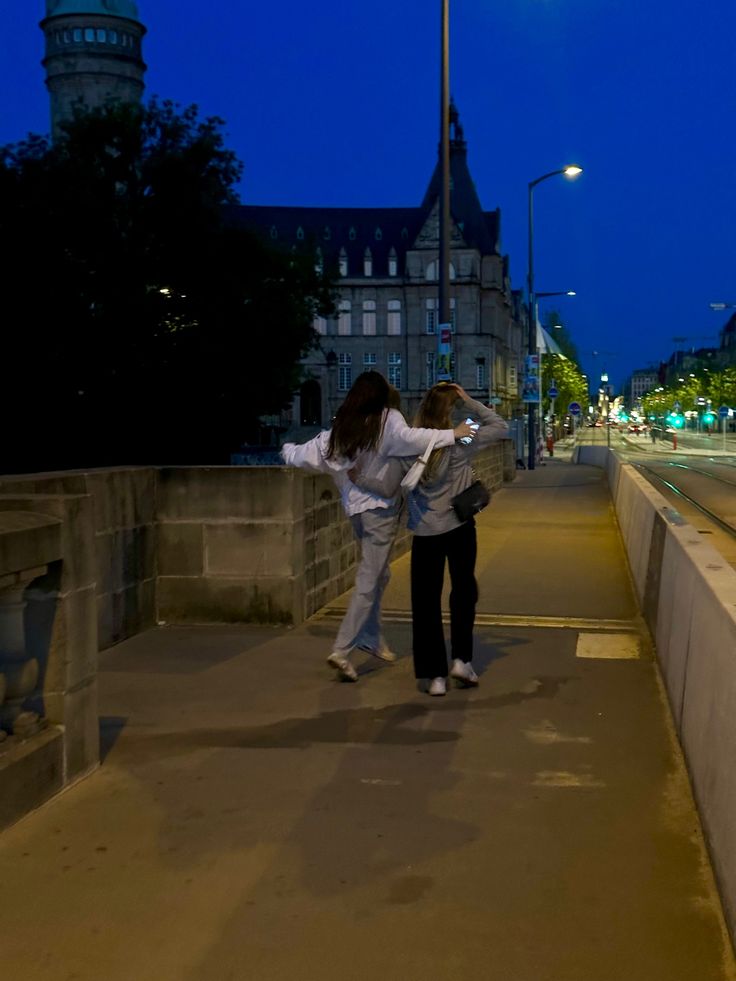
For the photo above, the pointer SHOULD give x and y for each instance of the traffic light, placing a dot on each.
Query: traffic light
(708, 418)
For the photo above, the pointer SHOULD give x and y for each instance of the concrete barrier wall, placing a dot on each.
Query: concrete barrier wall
(123, 505)
(687, 593)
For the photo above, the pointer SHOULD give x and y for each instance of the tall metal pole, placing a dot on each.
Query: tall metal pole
(444, 230)
(532, 346)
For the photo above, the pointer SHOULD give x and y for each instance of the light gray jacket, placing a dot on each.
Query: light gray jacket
(430, 510)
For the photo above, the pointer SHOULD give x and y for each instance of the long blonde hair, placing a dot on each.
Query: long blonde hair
(435, 412)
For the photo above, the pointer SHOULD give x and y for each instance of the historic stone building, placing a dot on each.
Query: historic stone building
(387, 311)
(93, 54)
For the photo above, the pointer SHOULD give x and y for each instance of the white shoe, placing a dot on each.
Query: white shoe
(341, 664)
(463, 671)
(384, 654)
(437, 686)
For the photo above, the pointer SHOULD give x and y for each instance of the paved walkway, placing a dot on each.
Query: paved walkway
(256, 820)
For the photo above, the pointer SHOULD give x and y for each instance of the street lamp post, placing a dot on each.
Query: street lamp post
(444, 229)
(570, 171)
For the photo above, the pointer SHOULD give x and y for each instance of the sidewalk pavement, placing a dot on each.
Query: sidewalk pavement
(254, 819)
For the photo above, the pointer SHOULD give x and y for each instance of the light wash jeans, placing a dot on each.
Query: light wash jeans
(361, 626)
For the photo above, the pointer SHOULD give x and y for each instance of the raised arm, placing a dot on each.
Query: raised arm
(399, 439)
(492, 426)
(313, 455)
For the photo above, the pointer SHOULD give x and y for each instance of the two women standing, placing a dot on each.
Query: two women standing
(362, 452)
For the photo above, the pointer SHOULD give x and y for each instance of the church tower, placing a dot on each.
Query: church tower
(93, 54)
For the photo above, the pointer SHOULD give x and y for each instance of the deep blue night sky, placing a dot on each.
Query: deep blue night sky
(337, 104)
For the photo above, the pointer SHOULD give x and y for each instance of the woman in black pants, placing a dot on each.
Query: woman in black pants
(439, 536)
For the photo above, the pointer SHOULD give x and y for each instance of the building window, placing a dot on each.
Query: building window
(89, 34)
(393, 265)
(274, 232)
(393, 324)
(369, 317)
(367, 263)
(319, 263)
(394, 369)
(300, 233)
(101, 35)
(369, 359)
(379, 234)
(320, 325)
(430, 369)
(352, 234)
(343, 261)
(112, 37)
(343, 318)
(344, 372)
(433, 315)
(480, 373)
(433, 271)
(67, 37)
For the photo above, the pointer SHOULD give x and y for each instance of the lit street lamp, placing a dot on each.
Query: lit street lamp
(571, 171)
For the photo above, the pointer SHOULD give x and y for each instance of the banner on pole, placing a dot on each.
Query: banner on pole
(531, 389)
(444, 353)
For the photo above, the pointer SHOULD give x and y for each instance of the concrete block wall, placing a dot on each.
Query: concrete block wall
(125, 530)
(687, 593)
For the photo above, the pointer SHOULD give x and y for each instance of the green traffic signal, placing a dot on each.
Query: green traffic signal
(708, 418)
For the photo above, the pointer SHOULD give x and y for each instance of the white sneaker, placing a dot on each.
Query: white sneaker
(384, 654)
(463, 671)
(437, 686)
(341, 664)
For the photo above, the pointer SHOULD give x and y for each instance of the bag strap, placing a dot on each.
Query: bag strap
(424, 458)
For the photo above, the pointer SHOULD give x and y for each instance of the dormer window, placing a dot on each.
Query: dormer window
(274, 232)
(319, 264)
(379, 235)
(327, 234)
(343, 262)
(352, 235)
(393, 264)
(367, 263)
(300, 233)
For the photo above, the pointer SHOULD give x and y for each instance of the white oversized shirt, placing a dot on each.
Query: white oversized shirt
(397, 440)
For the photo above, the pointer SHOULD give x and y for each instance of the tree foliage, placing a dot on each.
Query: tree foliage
(717, 388)
(145, 326)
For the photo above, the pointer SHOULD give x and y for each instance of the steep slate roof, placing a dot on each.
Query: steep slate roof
(379, 229)
(333, 229)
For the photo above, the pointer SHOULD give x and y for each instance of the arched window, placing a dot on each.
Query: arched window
(343, 262)
(393, 321)
(310, 403)
(326, 233)
(369, 317)
(274, 233)
(352, 234)
(379, 234)
(393, 264)
(300, 233)
(367, 263)
(344, 326)
(319, 262)
(433, 271)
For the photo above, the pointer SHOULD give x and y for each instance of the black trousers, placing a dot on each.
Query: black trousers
(428, 554)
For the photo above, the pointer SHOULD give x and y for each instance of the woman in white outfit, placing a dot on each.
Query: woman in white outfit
(366, 442)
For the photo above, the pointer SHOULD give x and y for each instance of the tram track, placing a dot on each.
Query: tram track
(652, 475)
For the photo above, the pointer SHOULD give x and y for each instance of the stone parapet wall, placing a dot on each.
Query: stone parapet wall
(125, 532)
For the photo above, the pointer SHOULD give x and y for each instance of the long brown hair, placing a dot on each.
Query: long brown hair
(359, 420)
(435, 412)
